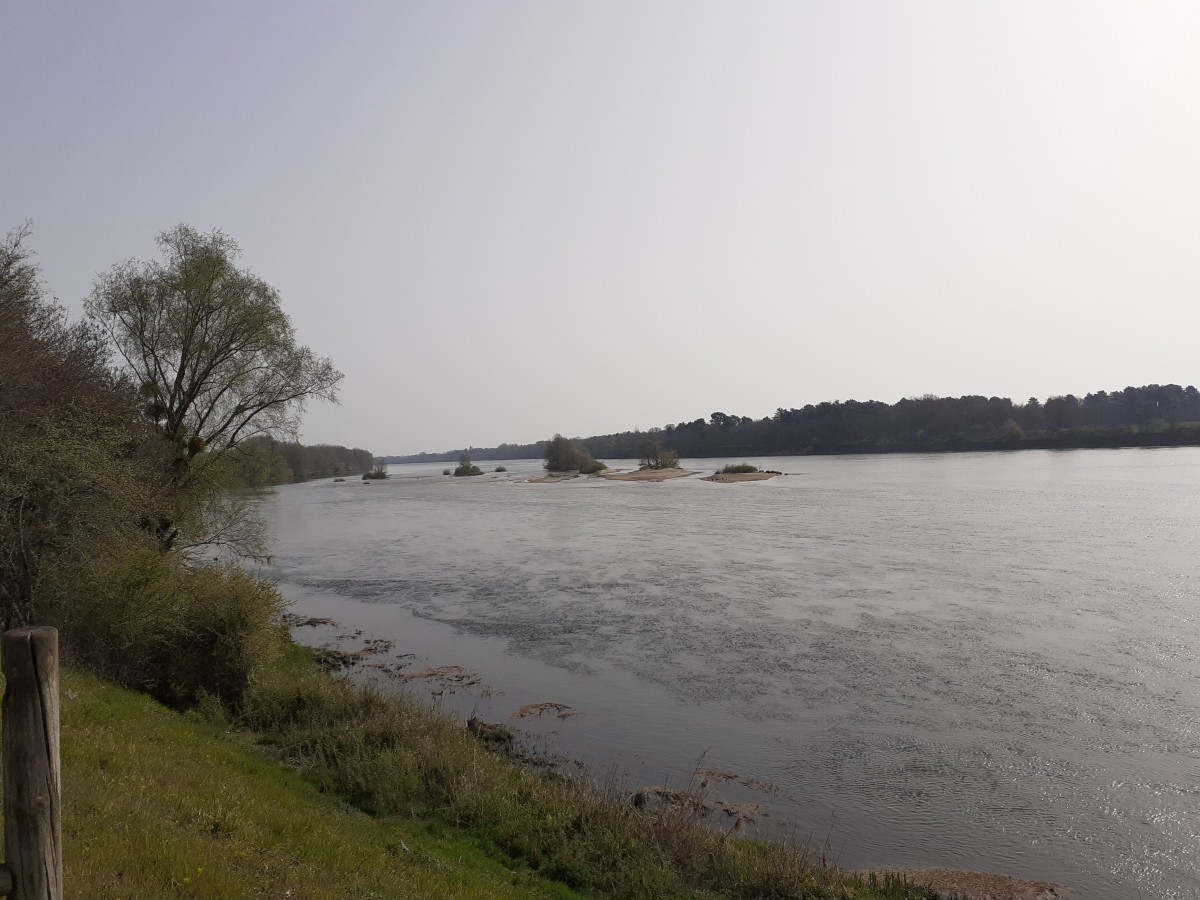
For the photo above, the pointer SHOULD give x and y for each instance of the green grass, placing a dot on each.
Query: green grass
(156, 804)
(328, 789)
(742, 469)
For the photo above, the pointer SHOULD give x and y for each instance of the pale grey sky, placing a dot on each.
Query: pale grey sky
(503, 220)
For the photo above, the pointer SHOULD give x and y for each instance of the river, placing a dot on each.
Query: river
(974, 661)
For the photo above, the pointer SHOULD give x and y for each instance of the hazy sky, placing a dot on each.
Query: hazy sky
(503, 220)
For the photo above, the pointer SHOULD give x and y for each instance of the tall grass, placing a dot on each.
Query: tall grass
(393, 756)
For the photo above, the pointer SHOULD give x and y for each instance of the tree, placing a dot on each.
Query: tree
(466, 467)
(212, 350)
(563, 456)
(78, 468)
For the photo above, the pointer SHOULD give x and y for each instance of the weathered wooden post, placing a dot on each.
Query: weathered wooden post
(32, 777)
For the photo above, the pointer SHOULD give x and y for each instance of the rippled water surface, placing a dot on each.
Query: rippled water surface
(979, 661)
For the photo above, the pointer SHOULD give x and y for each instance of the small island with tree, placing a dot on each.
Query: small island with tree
(657, 462)
(564, 460)
(741, 472)
(378, 473)
(466, 467)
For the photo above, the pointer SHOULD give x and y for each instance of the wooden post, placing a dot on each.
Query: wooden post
(32, 778)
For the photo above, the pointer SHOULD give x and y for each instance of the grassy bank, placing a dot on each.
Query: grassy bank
(157, 804)
(329, 790)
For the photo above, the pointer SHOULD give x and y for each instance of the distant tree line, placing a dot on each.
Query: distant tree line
(263, 461)
(1151, 415)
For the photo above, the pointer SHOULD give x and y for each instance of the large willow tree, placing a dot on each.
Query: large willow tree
(210, 345)
(213, 352)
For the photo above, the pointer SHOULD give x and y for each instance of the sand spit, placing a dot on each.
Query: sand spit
(723, 478)
(648, 475)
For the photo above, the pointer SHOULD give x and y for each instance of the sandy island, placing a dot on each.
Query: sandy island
(726, 478)
(647, 474)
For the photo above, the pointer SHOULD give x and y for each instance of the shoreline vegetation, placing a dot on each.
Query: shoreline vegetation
(328, 787)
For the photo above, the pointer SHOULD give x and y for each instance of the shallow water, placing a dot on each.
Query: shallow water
(976, 661)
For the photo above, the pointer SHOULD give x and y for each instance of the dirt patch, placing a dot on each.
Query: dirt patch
(656, 799)
(497, 738)
(331, 659)
(294, 621)
(445, 674)
(558, 710)
(709, 777)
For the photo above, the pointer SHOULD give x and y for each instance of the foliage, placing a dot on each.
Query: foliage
(742, 469)
(79, 472)
(501, 469)
(562, 456)
(465, 467)
(174, 631)
(654, 455)
(212, 349)
(445, 471)
(262, 461)
(378, 471)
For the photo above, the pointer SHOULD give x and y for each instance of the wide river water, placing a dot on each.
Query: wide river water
(970, 661)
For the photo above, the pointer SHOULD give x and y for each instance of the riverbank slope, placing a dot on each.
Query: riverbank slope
(406, 804)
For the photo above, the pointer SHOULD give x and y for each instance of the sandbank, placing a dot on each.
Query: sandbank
(727, 478)
(649, 475)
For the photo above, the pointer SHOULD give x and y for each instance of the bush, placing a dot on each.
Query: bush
(465, 467)
(445, 471)
(742, 469)
(178, 633)
(501, 469)
(563, 456)
(378, 472)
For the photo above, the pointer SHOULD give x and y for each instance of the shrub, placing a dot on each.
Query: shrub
(176, 632)
(591, 466)
(501, 469)
(563, 456)
(465, 467)
(742, 469)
